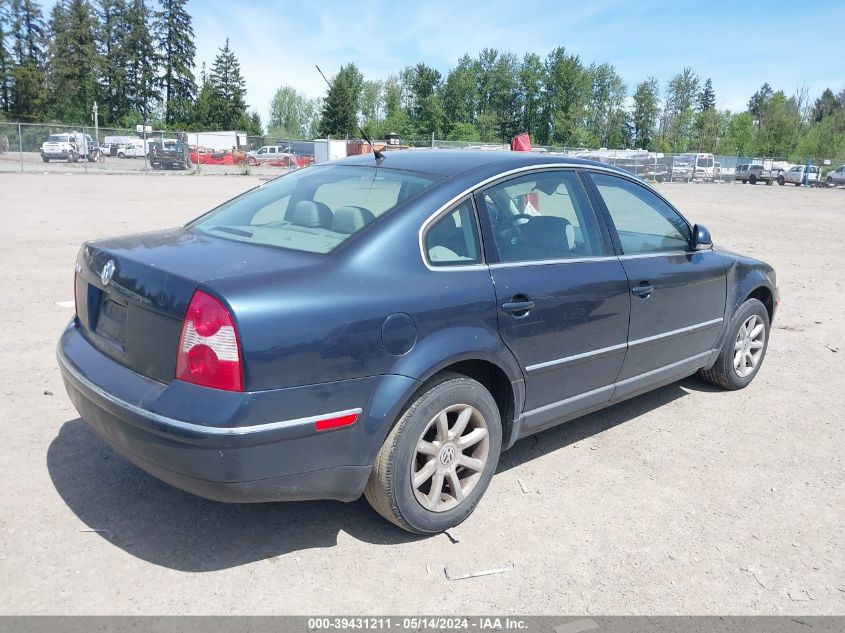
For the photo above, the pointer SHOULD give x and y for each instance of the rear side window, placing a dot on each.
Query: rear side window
(643, 221)
(453, 239)
(315, 209)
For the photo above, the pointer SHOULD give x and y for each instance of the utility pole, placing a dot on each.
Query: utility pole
(20, 146)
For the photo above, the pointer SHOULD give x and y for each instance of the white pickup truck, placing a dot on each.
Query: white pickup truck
(795, 176)
(70, 147)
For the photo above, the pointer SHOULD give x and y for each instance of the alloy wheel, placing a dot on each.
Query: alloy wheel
(748, 347)
(450, 457)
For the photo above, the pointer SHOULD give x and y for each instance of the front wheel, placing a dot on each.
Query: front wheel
(752, 179)
(437, 461)
(744, 348)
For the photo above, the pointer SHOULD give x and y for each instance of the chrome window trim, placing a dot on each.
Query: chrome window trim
(657, 254)
(189, 426)
(605, 350)
(442, 212)
(585, 260)
(505, 174)
(614, 385)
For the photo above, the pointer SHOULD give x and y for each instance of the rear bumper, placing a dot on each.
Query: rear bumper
(233, 447)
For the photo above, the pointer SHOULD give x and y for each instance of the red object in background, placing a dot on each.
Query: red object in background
(521, 143)
(212, 159)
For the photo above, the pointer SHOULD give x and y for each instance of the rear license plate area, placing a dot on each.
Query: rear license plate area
(111, 321)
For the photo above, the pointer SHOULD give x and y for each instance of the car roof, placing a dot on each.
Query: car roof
(452, 162)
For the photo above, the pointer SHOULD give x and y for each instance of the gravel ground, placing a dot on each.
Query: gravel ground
(687, 500)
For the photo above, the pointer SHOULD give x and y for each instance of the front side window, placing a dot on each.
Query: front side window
(644, 222)
(315, 209)
(542, 216)
(453, 239)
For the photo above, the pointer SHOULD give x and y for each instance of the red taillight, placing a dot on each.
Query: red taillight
(208, 348)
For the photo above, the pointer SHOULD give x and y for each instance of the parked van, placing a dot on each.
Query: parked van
(688, 167)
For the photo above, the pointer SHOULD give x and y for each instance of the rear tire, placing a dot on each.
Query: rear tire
(743, 351)
(781, 181)
(71, 158)
(451, 435)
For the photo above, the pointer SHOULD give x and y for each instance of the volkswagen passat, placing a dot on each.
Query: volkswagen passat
(387, 327)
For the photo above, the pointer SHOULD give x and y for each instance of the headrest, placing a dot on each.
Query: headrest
(549, 233)
(351, 219)
(311, 214)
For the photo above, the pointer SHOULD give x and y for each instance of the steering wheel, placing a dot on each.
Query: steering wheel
(519, 216)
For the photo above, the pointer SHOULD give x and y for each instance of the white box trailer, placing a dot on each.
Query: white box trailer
(219, 141)
(326, 149)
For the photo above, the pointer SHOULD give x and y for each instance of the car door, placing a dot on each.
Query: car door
(562, 294)
(677, 294)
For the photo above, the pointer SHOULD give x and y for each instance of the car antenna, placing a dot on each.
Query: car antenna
(379, 156)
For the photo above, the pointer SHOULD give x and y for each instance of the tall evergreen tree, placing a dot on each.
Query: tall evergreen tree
(176, 46)
(645, 113)
(26, 22)
(676, 126)
(74, 60)
(114, 45)
(229, 87)
(141, 59)
(29, 30)
(758, 100)
(339, 109)
(707, 97)
(5, 63)
(825, 105)
(566, 95)
(531, 83)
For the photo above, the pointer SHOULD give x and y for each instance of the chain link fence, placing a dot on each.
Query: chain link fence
(37, 147)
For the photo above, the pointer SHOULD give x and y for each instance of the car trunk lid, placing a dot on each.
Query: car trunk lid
(132, 292)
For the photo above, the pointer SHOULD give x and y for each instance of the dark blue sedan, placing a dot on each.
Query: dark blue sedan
(388, 327)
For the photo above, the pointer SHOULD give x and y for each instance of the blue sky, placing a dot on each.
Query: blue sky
(738, 44)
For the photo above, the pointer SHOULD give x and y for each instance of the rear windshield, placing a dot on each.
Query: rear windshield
(315, 209)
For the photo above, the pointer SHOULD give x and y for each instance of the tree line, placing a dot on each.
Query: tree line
(561, 101)
(136, 58)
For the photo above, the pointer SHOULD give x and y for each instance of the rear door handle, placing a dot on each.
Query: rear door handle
(518, 306)
(643, 291)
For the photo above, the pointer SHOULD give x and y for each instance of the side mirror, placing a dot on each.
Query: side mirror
(701, 240)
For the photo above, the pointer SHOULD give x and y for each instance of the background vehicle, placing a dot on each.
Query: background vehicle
(168, 154)
(134, 149)
(836, 177)
(69, 146)
(454, 301)
(795, 176)
(752, 174)
(274, 154)
(690, 166)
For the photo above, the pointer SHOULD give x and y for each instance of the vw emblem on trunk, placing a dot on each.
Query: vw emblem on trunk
(107, 272)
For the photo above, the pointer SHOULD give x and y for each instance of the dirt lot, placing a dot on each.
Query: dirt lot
(683, 501)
